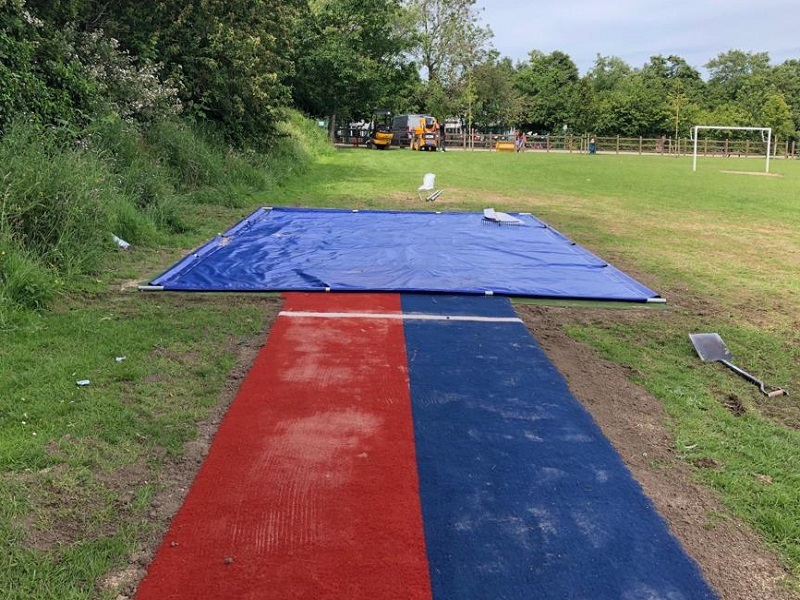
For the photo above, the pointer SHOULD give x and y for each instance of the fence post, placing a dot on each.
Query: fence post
(640, 145)
(617, 144)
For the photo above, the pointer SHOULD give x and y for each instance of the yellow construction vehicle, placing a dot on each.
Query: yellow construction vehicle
(380, 130)
(425, 136)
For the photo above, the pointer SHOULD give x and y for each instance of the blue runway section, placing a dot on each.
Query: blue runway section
(293, 249)
(522, 496)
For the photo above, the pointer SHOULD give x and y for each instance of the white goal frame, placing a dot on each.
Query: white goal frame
(697, 128)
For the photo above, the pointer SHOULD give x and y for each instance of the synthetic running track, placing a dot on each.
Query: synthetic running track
(414, 447)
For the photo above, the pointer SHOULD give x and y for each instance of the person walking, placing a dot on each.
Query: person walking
(521, 141)
(442, 136)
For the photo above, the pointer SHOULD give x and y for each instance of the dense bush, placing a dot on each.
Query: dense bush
(41, 77)
(133, 89)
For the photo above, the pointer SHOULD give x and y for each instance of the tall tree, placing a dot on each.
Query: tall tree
(677, 87)
(607, 74)
(497, 101)
(233, 58)
(777, 114)
(635, 108)
(451, 39)
(40, 74)
(353, 57)
(786, 78)
(553, 93)
(729, 71)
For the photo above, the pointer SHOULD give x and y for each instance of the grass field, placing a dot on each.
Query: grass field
(724, 249)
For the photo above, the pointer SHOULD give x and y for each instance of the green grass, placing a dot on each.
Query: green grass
(76, 497)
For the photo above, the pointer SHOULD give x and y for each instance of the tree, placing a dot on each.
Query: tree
(497, 101)
(607, 74)
(679, 87)
(552, 92)
(635, 109)
(233, 59)
(353, 58)
(786, 79)
(776, 113)
(729, 114)
(41, 77)
(730, 71)
(450, 38)
(670, 68)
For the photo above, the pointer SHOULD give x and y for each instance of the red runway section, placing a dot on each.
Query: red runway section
(310, 487)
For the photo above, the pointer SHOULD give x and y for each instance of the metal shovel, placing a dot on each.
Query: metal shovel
(711, 348)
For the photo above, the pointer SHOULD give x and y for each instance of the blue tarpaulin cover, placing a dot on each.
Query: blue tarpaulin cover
(301, 249)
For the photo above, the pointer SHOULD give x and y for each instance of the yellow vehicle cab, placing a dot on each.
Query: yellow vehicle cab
(426, 134)
(380, 131)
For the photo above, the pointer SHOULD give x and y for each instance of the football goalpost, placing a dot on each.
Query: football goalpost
(768, 131)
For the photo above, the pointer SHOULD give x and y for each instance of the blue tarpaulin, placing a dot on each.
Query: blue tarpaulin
(300, 249)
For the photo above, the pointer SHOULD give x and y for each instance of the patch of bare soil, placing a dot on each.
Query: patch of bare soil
(759, 174)
(731, 556)
(63, 501)
(735, 405)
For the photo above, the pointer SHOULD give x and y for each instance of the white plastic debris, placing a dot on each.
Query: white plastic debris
(120, 358)
(83, 382)
(120, 242)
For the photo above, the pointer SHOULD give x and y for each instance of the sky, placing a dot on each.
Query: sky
(635, 30)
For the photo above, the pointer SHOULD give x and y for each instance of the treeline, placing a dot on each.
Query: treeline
(236, 63)
(665, 96)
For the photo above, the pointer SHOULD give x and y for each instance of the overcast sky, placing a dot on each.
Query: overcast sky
(635, 30)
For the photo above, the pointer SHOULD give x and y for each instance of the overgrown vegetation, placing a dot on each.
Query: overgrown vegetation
(63, 199)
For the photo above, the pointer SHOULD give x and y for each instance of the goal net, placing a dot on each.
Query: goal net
(766, 137)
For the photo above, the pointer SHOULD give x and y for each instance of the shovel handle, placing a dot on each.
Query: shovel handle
(742, 373)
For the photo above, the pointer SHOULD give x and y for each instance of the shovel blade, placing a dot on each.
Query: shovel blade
(710, 347)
